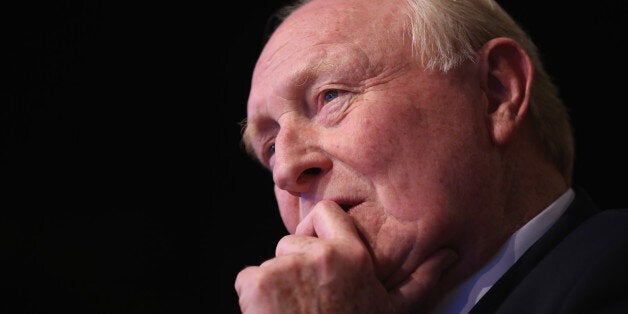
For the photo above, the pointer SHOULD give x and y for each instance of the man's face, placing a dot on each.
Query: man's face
(341, 110)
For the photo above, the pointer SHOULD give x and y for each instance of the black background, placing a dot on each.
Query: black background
(125, 188)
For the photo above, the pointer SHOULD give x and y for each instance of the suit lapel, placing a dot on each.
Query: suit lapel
(581, 208)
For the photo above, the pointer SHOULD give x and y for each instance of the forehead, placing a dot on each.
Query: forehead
(320, 34)
(342, 17)
(324, 29)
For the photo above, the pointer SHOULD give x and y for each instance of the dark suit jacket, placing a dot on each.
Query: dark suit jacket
(579, 266)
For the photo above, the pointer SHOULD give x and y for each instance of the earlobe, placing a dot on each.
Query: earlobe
(507, 73)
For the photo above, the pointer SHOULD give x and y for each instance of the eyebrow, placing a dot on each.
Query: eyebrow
(245, 140)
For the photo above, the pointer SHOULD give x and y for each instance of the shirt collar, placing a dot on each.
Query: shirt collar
(469, 292)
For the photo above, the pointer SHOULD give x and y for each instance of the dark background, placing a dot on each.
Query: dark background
(125, 188)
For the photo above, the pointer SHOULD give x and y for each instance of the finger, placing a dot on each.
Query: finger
(293, 244)
(327, 220)
(245, 276)
(418, 286)
(253, 285)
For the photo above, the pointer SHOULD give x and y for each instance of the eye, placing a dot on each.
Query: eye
(330, 95)
(267, 153)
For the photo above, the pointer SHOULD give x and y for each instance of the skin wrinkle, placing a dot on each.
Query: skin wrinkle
(331, 189)
(392, 282)
(303, 75)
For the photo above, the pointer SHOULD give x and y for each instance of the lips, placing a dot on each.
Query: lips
(347, 205)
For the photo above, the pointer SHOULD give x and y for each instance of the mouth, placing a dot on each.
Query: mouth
(347, 205)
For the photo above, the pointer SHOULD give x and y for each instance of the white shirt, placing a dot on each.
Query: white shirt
(462, 298)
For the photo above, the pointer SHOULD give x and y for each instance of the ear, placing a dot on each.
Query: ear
(507, 73)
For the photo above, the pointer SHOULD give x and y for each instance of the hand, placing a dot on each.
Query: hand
(326, 268)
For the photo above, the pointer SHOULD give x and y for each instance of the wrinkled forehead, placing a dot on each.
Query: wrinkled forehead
(373, 26)
(318, 21)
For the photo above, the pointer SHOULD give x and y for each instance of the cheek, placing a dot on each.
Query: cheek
(288, 209)
(412, 157)
(373, 140)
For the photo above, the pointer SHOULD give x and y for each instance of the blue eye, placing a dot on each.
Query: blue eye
(271, 150)
(330, 95)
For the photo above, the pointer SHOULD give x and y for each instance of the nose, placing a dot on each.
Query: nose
(300, 160)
